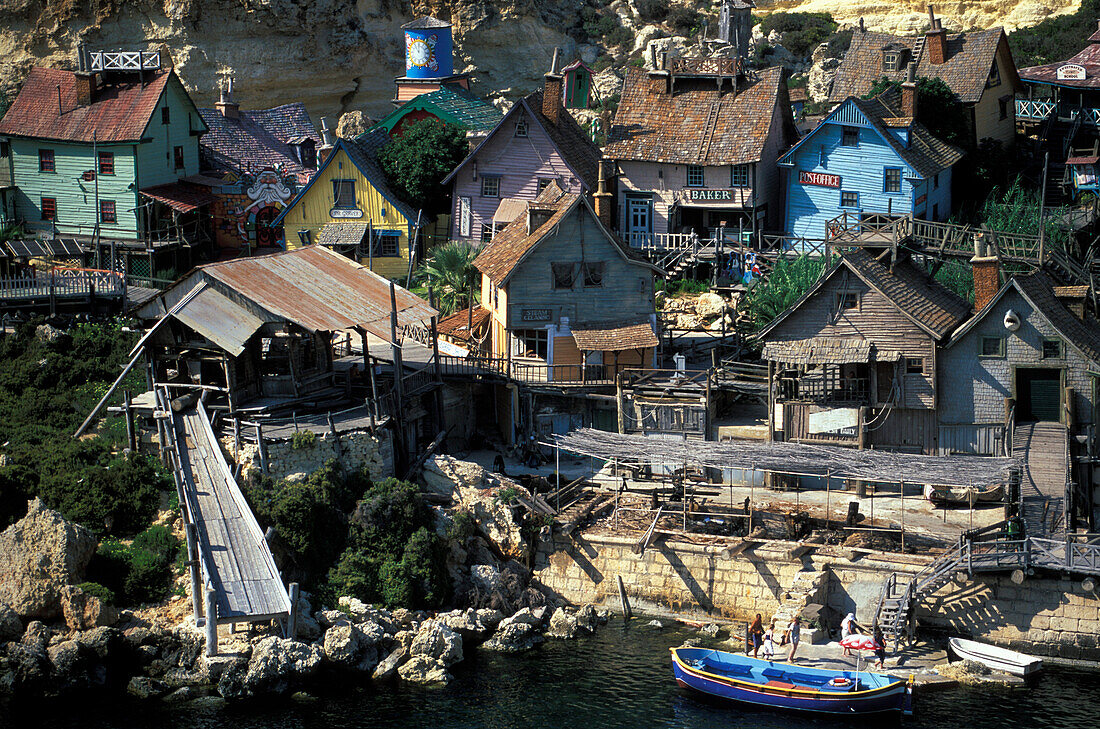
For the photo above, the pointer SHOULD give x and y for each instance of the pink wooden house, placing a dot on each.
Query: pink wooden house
(536, 143)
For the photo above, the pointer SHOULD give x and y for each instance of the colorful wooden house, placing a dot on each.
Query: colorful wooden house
(257, 161)
(348, 205)
(109, 145)
(976, 65)
(853, 362)
(567, 301)
(450, 104)
(868, 156)
(578, 85)
(696, 142)
(1068, 89)
(536, 144)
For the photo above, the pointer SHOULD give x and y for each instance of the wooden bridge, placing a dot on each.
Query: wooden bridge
(59, 288)
(233, 574)
(1043, 448)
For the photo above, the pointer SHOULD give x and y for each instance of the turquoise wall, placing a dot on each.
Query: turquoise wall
(155, 158)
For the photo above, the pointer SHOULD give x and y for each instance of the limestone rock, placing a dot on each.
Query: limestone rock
(328, 618)
(563, 624)
(490, 618)
(437, 641)
(822, 72)
(23, 668)
(40, 554)
(655, 624)
(711, 630)
(37, 635)
(466, 623)
(276, 662)
(65, 657)
(47, 333)
(11, 627)
(308, 627)
(485, 577)
(101, 641)
(644, 36)
(513, 638)
(351, 124)
(387, 669)
(343, 644)
(144, 687)
(424, 669)
(471, 486)
(83, 611)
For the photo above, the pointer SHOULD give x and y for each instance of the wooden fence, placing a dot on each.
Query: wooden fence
(62, 283)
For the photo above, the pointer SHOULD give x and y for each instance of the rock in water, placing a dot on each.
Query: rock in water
(40, 554)
(83, 611)
(276, 662)
(710, 630)
(435, 640)
(423, 669)
(144, 687)
(343, 644)
(563, 624)
(655, 624)
(387, 669)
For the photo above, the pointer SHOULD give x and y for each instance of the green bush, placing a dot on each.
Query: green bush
(652, 11)
(463, 526)
(106, 596)
(416, 162)
(140, 572)
(938, 108)
(685, 21)
(303, 440)
(770, 297)
(1054, 39)
(801, 32)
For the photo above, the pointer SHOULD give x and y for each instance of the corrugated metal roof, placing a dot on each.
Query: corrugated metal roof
(819, 350)
(220, 320)
(319, 290)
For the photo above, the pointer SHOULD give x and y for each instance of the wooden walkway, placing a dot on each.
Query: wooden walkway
(236, 561)
(1042, 447)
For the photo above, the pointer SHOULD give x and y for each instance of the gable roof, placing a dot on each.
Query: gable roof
(926, 154)
(1038, 289)
(698, 125)
(970, 57)
(512, 244)
(120, 111)
(258, 138)
(363, 153)
(453, 104)
(578, 151)
(918, 296)
(1089, 57)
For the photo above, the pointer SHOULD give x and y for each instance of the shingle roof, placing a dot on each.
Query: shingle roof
(342, 233)
(614, 336)
(573, 143)
(969, 59)
(454, 102)
(1089, 57)
(697, 125)
(258, 139)
(926, 302)
(819, 350)
(456, 326)
(1083, 334)
(509, 246)
(119, 112)
(363, 151)
(926, 153)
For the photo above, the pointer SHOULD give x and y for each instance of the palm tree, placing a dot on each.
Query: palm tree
(449, 272)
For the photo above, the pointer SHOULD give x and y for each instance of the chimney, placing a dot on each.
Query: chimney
(603, 197)
(909, 92)
(862, 27)
(226, 106)
(326, 142)
(1073, 298)
(85, 88)
(935, 40)
(987, 274)
(552, 92)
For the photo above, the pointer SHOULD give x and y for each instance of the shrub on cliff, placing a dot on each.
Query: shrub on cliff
(135, 573)
(416, 162)
(938, 108)
(1055, 39)
(800, 32)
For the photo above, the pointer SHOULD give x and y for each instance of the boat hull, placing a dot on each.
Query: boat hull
(996, 658)
(893, 697)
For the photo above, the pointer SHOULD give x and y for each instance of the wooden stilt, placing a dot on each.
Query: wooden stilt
(211, 623)
(627, 614)
(193, 568)
(292, 619)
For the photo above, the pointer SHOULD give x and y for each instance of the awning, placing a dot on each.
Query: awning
(180, 196)
(343, 233)
(509, 209)
(212, 315)
(45, 248)
(1090, 160)
(614, 337)
(819, 350)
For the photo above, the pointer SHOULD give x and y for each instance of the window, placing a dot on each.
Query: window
(994, 76)
(849, 199)
(992, 347)
(739, 176)
(914, 365)
(850, 137)
(1003, 103)
(343, 194)
(891, 179)
(936, 181)
(593, 273)
(106, 163)
(49, 208)
(521, 128)
(486, 233)
(695, 177)
(386, 244)
(564, 275)
(544, 182)
(165, 115)
(177, 157)
(305, 237)
(490, 186)
(45, 160)
(847, 300)
(107, 211)
(890, 61)
(533, 343)
(1052, 348)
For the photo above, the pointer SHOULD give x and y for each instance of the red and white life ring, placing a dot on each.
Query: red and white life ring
(840, 682)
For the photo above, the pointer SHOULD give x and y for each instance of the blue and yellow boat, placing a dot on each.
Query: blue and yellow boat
(786, 686)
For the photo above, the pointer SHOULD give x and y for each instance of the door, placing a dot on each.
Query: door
(265, 234)
(1039, 394)
(639, 220)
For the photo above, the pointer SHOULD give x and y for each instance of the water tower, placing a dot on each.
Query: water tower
(429, 64)
(735, 25)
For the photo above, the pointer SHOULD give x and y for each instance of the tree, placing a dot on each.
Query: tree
(938, 109)
(449, 272)
(770, 297)
(416, 162)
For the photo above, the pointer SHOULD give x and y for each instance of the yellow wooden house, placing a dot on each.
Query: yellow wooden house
(349, 206)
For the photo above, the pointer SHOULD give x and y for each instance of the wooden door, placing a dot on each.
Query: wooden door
(1039, 394)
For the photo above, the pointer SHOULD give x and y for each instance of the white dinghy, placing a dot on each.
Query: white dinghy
(997, 659)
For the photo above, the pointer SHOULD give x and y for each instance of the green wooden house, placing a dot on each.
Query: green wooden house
(451, 104)
(113, 143)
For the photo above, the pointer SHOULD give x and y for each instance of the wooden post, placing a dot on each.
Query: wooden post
(193, 568)
(623, 599)
(828, 480)
(619, 401)
(400, 455)
(439, 409)
(292, 618)
(236, 439)
(771, 402)
(370, 371)
(335, 439)
(128, 406)
(860, 429)
(211, 623)
(261, 449)
(903, 517)
(557, 477)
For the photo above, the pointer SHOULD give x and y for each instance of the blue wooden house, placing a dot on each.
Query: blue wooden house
(868, 156)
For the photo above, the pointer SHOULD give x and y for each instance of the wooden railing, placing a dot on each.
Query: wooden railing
(704, 66)
(62, 283)
(661, 241)
(1037, 110)
(527, 370)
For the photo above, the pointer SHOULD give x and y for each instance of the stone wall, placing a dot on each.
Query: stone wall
(359, 448)
(1041, 616)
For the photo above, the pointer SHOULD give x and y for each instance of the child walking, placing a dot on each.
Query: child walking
(768, 649)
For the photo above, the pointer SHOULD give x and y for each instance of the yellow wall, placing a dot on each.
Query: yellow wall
(500, 316)
(311, 212)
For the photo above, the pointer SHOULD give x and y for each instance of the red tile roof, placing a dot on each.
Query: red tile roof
(119, 112)
(457, 325)
(179, 196)
(1089, 58)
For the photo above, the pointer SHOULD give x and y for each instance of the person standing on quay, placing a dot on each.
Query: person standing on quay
(794, 632)
(756, 634)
